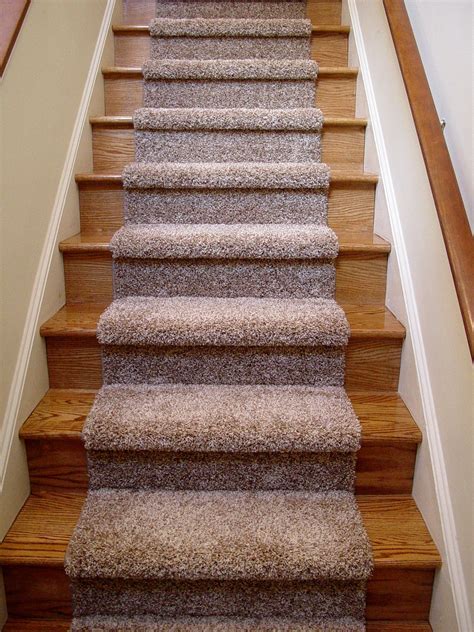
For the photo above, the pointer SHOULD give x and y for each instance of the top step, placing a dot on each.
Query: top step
(318, 11)
(292, 9)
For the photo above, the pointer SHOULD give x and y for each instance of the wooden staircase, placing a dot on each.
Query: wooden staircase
(399, 593)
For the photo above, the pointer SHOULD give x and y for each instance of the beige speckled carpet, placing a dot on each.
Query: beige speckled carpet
(222, 447)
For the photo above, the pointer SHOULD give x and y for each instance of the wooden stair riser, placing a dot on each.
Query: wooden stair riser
(351, 206)
(371, 364)
(335, 93)
(113, 147)
(132, 48)
(382, 468)
(318, 11)
(360, 278)
(392, 593)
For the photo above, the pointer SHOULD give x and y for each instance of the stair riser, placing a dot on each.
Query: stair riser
(335, 95)
(350, 207)
(227, 94)
(223, 365)
(237, 146)
(75, 362)
(318, 11)
(392, 594)
(296, 9)
(381, 468)
(360, 277)
(233, 279)
(215, 472)
(229, 206)
(214, 598)
(132, 49)
(114, 147)
(230, 48)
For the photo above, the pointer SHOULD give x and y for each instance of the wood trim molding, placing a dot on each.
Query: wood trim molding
(444, 186)
(12, 15)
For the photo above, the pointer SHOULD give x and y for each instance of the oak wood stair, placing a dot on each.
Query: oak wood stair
(399, 594)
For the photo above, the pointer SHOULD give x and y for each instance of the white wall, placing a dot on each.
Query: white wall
(51, 85)
(444, 33)
(436, 371)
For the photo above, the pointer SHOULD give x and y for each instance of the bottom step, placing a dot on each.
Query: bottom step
(48, 625)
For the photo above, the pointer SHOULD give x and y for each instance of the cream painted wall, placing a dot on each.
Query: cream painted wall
(41, 93)
(436, 372)
(444, 31)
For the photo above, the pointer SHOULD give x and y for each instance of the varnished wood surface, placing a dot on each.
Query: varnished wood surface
(350, 207)
(361, 268)
(113, 143)
(320, 12)
(329, 45)
(366, 321)
(444, 186)
(62, 412)
(13, 13)
(48, 625)
(335, 90)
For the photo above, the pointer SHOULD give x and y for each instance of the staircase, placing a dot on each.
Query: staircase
(405, 557)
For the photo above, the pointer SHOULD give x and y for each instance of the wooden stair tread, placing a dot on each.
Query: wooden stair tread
(145, 28)
(61, 414)
(127, 121)
(365, 321)
(324, 71)
(58, 625)
(40, 534)
(337, 177)
(349, 242)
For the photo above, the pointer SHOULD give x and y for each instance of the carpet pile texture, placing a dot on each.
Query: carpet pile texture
(222, 447)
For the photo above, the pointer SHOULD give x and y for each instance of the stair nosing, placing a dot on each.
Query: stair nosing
(315, 29)
(68, 246)
(323, 71)
(337, 177)
(121, 121)
(50, 328)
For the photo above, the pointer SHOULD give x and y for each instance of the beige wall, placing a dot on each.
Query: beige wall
(44, 100)
(445, 37)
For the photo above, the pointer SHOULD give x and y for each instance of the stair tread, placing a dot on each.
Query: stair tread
(243, 321)
(61, 414)
(271, 535)
(349, 242)
(41, 532)
(365, 321)
(62, 625)
(225, 241)
(227, 418)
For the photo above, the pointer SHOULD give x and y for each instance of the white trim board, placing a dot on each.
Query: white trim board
(39, 287)
(453, 555)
